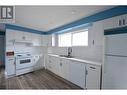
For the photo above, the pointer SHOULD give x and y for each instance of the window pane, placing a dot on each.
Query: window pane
(64, 40)
(80, 38)
(53, 40)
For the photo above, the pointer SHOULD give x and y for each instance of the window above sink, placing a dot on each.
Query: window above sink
(76, 38)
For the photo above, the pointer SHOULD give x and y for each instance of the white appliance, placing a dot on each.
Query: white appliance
(24, 63)
(115, 63)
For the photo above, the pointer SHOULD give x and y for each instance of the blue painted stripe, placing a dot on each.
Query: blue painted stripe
(83, 26)
(24, 29)
(119, 10)
(2, 33)
(115, 31)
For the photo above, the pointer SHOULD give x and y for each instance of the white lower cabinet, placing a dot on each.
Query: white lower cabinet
(77, 73)
(84, 75)
(93, 76)
(10, 66)
(49, 65)
(64, 68)
(53, 65)
(38, 61)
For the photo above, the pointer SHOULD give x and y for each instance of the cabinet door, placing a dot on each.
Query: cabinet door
(27, 36)
(77, 73)
(124, 18)
(93, 73)
(50, 63)
(18, 35)
(97, 33)
(38, 62)
(9, 37)
(56, 65)
(64, 67)
(36, 40)
(46, 40)
(49, 40)
(117, 21)
(10, 66)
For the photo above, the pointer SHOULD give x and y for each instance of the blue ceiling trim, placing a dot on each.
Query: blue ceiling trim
(2, 33)
(82, 23)
(24, 29)
(119, 10)
(120, 30)
(83, 26)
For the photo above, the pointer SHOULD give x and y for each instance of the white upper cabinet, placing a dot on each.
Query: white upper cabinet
(36, 39)
(47, 40)
(124, 18)
(115, 22)
(9, 37)
(18, 35)
(27, 36)
(21, 36)
(97, 33)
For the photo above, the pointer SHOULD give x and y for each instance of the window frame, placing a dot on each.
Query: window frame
(73, 32)
(53, 39)
(64, 34)
(78, 31)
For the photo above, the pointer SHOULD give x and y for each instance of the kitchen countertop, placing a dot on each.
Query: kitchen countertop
(79, 60)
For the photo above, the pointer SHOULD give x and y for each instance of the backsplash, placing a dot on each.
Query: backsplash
(93, 53)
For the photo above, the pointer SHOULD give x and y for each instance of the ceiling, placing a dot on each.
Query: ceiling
(45, 18)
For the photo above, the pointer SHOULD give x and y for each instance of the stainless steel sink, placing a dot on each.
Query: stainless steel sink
(66, 56)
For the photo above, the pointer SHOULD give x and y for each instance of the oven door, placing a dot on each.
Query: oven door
(24, 63)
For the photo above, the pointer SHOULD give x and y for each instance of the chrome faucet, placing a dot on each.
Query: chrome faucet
(69, 51)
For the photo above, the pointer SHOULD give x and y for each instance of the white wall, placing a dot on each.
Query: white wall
(24, 47)
(92, 52)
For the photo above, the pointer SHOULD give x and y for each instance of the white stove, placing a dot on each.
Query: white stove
(24, 63)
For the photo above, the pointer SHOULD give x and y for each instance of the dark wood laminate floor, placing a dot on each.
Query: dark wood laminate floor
(41, 79)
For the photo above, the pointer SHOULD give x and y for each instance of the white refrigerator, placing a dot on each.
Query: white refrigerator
(115, 62)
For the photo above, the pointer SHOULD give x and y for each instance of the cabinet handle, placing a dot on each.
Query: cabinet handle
(60, 64)
(120, 22)
(123, 21)
(92, 67)
(23, 37)
(93, 42)
(86, 72)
